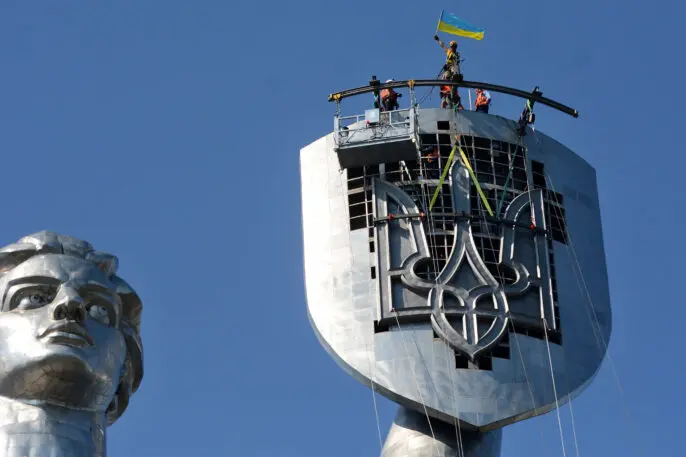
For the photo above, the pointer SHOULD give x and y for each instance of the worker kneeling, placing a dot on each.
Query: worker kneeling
(483, 101)
(389, 99)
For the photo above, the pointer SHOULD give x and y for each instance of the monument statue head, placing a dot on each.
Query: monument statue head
(69, 326)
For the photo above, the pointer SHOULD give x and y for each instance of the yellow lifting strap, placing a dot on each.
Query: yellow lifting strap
(478, 187)
(471, 173)
(443, 175)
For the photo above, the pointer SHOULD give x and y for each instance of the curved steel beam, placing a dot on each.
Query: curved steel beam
(533, 96)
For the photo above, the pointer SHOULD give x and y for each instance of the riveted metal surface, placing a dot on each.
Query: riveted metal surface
(408, 364)
(70, 346)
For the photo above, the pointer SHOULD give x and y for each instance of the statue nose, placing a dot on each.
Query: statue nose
(71, 309)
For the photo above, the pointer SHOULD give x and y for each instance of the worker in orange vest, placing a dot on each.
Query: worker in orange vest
(450, 97)
(483, 101)
(389, 98)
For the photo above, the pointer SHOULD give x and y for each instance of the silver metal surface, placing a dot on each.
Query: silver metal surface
(70, 347)
(411, 436)
(465, 284)
(409, 364)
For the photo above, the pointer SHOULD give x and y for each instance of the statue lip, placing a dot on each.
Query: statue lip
(69, 333)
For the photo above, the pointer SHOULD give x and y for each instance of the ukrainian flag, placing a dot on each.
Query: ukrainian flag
(449, 23)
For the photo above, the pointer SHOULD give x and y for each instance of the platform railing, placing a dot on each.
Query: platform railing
(373, 126)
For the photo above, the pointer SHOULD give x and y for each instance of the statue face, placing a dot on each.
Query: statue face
(59, 336)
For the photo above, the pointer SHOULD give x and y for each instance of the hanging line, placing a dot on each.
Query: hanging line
(402, 331)
(552, 375)
(416, 381)
(509, 176)
(453, 394)
(520, 135)
(511, 322)
(600, 338)
(372, 363)
(430, 226)
(571, 406)
(476, 183)
(471, 173)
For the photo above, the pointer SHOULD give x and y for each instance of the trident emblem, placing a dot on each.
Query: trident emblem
(467, 306)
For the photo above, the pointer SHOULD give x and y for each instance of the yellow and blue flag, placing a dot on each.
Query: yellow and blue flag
(449, 23)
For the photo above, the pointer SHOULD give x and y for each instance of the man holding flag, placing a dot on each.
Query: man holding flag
(451, 69)
(449, 23)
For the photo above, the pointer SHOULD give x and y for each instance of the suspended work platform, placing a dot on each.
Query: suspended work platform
(376, 137)
(379, 136)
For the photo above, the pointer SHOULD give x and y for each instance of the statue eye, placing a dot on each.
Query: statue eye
(34, 299)
(100, 313)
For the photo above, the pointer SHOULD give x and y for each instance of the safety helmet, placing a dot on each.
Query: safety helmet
(453, 43)
(389, 80)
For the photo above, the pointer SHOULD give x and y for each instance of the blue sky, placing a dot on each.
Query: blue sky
(168, 133)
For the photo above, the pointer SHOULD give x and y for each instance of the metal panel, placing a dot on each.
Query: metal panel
(411, 436)
(375, 152)
(408, 364)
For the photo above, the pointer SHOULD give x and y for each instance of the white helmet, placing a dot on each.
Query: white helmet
(389, 80)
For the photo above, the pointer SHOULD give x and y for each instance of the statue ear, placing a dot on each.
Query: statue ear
(121, 397)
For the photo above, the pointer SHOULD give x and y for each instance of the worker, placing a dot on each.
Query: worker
(451, 69)
(377, 99)
(451, 98)
(527, 118)
(483, 101)
(389, 98)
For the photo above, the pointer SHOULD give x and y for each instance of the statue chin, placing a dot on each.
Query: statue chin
(62, 378)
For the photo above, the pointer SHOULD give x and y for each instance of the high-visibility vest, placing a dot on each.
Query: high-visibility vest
(481, 99)
(386, 93)
(451, 57)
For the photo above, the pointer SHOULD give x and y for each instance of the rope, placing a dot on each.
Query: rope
(595, 323)
(428, 94)
(571, 412)
(511, 322)
(414, 375)
(529, 188)
(552, 375)
(430, 227)
(571, 405)
(372, 364)
(402, 336)
(507, 180)
(456, 422)
(451, 370)
(476, 182)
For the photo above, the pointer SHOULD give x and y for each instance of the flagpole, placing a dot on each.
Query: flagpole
(439, 22)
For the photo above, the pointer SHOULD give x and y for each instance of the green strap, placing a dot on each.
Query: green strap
(445, 173)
